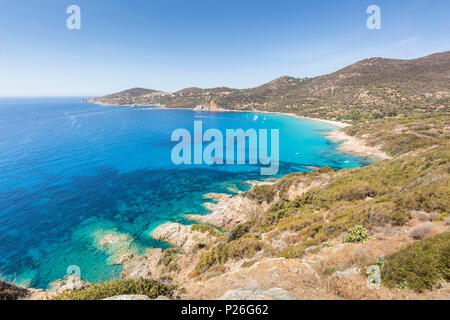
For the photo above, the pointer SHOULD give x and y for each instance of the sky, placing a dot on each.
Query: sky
(171, 44)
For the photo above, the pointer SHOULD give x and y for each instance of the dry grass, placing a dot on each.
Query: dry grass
(423, 230)
(343, 256)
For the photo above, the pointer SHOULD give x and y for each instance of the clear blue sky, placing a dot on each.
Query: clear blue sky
(170, 44)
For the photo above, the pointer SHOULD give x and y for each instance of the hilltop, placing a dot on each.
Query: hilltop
(371, 88)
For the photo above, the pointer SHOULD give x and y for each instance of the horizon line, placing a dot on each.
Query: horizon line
(219, 86)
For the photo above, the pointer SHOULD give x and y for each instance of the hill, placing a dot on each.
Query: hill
(371, 88)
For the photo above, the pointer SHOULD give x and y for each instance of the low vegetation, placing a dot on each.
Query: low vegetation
(99, 291)
(223, 252)
(351, 203)
(420, 266)
(372, 89)
(382, 193)
(11, 292)
(356, 234)
(403, 134)
(169, 260)
(261, 194)
(206, 229)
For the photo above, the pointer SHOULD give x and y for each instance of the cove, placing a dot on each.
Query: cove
(71, 172)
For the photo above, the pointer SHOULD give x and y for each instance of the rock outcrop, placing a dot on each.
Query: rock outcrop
(258, 294)
(142, 266)
(229, 211)
(182, 236)
(288, 275)
(71, 282)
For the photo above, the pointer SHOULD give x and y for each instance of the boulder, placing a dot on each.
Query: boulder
(258, 294)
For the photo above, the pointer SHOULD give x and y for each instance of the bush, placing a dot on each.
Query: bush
(294, 252)
(99, 291)
(356, 234)
(325, 169)
(420, 266)
(238, 249)
(11, 292)
(204, 228)
(248, 264)
(169, 260)
(261, 194)
(239, 231)
(358, 191)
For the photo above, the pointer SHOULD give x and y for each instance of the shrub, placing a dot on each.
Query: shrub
(11, 292)
(169, 260)
(356, 192)
(239, 231)
(356, 234)
(204, 228)
(248, 264)
(262, 193)
(98, 291)
(169, 256)
(325, 169)
(420, 266)
(295, 252)
(404, 285)
(238, 249)
(200, 246)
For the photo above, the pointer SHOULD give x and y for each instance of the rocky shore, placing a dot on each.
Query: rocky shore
(219, 258)
(181, 236)
(228, 211)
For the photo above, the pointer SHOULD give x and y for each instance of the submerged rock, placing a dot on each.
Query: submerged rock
(110, 239)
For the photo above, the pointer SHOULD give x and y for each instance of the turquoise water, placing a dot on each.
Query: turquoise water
(71, 172)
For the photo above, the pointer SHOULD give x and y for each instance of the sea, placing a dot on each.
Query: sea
(72, 172)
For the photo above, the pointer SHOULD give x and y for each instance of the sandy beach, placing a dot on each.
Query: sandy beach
(348, 144)
(354, 145)
(336, 123)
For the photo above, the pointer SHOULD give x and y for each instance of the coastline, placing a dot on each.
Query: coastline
(348, 144)
(293, 115)
(229, 211)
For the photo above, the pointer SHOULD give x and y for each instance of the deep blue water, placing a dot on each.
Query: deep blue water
(71, 172)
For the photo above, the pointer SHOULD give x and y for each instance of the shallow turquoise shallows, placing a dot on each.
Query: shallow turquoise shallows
(71, 172)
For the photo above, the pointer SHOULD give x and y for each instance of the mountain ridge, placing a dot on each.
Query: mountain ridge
(374, 87)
